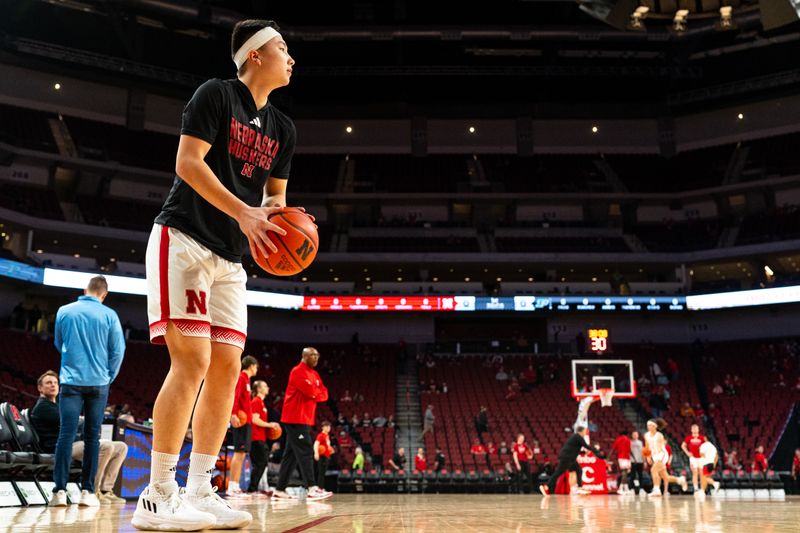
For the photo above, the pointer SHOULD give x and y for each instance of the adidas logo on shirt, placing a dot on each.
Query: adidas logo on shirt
(256, 122)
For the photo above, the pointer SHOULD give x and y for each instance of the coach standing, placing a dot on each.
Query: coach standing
(303, 392)
(89, 338)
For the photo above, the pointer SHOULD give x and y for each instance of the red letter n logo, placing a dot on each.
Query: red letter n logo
(196, 300)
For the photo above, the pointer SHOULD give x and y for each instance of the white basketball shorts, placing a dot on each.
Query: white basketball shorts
(202, 294)
(624, 464)
(696, 463)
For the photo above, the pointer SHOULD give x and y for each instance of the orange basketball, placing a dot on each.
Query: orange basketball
(297, 249)
(273, 434)
(647, 452)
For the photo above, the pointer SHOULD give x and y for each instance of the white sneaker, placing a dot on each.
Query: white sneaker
(655, 492)
(700, 495)
(161, 508)
(59, 499)
(237, 494)
(110, 497)
(684, 485)
(89, 499)
(208, 501)
(316, 494)
(716, 486)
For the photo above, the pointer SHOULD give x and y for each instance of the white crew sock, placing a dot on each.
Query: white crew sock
(200, 468)
(162, 467)
(233, 486)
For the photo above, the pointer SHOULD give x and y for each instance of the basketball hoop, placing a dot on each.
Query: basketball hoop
(606, 395)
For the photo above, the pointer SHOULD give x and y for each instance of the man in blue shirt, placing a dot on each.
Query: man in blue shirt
(89, 338)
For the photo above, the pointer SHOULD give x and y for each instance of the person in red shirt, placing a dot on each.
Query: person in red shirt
(323, 451)
(622, 447)
(759, 461)
(522, 455)
(259, 452)
(796, 470)
(303, 392)
(420, 463)
(477, 448)
(241, 420)
(691, 447)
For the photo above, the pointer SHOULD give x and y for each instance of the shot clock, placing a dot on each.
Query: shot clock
(598, 340)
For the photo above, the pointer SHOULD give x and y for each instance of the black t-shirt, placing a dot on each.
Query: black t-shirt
(572, 448)
(45, 420)
(399, 460)
(248, 145)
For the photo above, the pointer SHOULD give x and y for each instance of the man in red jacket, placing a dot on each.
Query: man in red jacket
(303, 392)
(241, 420)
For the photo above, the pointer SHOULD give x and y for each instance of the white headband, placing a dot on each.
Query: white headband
(256, 41)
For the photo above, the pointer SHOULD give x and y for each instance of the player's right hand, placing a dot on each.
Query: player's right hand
(254, 223)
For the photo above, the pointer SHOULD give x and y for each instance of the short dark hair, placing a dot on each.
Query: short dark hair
(580, 429)
(244, 29)
(325, 423)
(248, 361)
(48, 373)
(98, 285)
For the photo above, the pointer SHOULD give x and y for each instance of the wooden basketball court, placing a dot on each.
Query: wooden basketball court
(457, 513)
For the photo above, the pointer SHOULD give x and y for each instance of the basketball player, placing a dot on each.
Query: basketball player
(323, 451)
(583, 416)
(622, 447)
(709, 455)
(568, 460)
(242, 430)
(691, 447)
(659, 457)
(303, 392)
(259, 452)
(232, 169)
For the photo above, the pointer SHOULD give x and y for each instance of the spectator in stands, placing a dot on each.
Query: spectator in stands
(366, 421)
(126, 415)
(512, 390)
(242, 424)
(643, 383)
(444, 388)
(88, 335)
(358, 460)
(398, 462)
(686, 410)
(501, 375)
(732, 460)
(427, 425)
(728, 385)
(482, 421)
(322, 452)
(657, 375)
(717, 389)
(522, 456)
(344, 440)
(796, 470)
(46, 421)
(355, 421)
(672, 368)
(358, 397)
(390, 422)
(439, 460)
(491, 449)
(637, 461)
(528, 379)
(759, 463)
(420, 464)
(503, 449)
(346, 397)
(379, 421)
(477, 449)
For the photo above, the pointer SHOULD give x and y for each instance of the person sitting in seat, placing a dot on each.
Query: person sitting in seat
(46, 421)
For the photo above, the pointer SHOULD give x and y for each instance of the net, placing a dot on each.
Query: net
(606, 395)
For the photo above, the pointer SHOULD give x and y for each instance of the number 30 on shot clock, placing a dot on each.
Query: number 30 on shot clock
(598, 340)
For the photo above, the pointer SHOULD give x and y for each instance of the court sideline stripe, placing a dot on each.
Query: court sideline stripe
(309, 525)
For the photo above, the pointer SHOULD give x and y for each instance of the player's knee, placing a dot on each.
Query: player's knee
(190, 368)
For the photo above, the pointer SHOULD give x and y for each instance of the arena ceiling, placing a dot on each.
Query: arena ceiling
(405, 57)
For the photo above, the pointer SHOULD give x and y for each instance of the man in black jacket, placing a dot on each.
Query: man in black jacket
(567, 459)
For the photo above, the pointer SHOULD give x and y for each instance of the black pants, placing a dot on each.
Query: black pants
(299, 453)
(322, 467)
(637, 469)
(524, 477)
(259, 456)
(567, 464)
